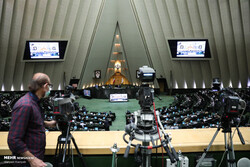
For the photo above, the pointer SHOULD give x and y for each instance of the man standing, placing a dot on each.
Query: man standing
(27, 131)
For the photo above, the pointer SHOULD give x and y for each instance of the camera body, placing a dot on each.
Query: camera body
(146, 74)
(230, 102)
(144, 129)
(63, 108)
(145, 95)
(231, 105)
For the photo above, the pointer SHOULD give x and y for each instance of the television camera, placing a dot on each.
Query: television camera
(231, 106)
(63, 108)
(147, 126)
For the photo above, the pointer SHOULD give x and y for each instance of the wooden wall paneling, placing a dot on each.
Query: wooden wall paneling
(101, 46)
(36, 30)
(49, 69)
(77, 25)
(187, 33)
(195, 20)
(46, 33)
(59, 20)
(178, 74)
(133, 37)
(239, 42)
(207, 76)
(35, 33)
(87, 38)
(1, 10)
(7, 13)
(225, 23)
(219, 41)
(31, 19)
(39, 67)
(245, 13)
(39, 17)
(67, 31)
(57, 29)
(49, 19)
(167, 32)
(154, 37)
(229, 42)
(15, 31)
(20, 77)
(206, 25)
(28, 71)
(146, 34)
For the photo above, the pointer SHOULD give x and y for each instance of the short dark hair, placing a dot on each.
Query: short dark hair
(37, 83)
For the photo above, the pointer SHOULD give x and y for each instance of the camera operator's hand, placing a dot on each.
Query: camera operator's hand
(33, 161)
(37, 163)
(50, 124)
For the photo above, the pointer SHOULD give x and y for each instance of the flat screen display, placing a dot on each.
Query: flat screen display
(189, 49)
(45, 50)
(118, 97)
(41, 50)
(86, 93)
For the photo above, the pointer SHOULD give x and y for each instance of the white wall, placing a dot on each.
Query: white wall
(145, 26)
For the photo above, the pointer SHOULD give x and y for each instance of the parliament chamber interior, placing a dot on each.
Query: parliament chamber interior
(118, 83)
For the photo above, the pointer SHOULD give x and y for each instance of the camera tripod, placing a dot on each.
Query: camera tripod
(146, 138)
(229, 148)
(63, 143)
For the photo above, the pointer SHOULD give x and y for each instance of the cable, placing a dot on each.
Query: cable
(240, 117)
(162, 161)
(222, 158)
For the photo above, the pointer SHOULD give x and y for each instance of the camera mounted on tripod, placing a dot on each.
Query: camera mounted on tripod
(145, 126)
(63, 108)
(145, 95)
(231, 107)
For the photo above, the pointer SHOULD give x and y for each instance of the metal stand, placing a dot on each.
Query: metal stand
(146, 155)
(146, 149)
(229, 149)
(114, 150)
(63, 142)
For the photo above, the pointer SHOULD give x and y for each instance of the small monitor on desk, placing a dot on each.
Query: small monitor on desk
(118, 97)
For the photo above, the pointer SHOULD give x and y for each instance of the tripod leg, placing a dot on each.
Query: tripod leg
(226, 149)
(208, 147)
(66, 144)
(78, 152)
(230, 151)
(146, 155)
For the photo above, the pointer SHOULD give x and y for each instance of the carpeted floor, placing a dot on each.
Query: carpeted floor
(120, 108)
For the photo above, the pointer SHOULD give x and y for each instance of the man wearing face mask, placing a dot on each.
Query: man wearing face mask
(26, 137)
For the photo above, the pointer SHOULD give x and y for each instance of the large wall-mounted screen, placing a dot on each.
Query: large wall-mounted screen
(51, 50)
(189, 49)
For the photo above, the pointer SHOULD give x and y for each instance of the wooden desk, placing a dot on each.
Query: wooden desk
(186, 140)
